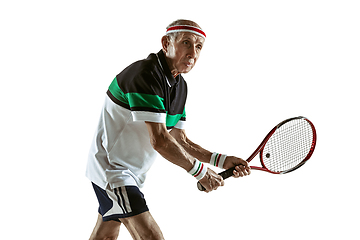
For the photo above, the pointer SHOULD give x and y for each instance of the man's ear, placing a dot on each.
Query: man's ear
(165, 41)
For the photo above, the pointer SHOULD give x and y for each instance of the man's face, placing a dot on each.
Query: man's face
(183, 52)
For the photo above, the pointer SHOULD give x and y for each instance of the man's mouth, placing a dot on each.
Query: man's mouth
(189, 64)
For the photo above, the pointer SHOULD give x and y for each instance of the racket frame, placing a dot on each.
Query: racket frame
(262, 145)
(229, 172)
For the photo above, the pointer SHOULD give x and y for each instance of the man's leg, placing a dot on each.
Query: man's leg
(143, 226)
(105, 230)
(128, 205)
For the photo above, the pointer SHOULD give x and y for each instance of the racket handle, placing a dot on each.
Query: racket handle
(225, 174)
(200, 187)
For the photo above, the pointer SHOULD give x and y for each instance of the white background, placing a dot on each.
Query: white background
(263, 62)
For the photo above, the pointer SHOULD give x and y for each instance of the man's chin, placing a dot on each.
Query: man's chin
(186, 70)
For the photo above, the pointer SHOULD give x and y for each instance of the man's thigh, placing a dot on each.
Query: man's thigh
(125, 205)
(105, 230)
(121, 202)
(143, 226)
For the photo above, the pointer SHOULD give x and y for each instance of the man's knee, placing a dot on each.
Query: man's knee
(155, 236)
(109, 236)
(105, 238)
(143, 226)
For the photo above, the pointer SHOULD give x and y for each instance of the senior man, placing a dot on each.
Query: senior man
(143, 115)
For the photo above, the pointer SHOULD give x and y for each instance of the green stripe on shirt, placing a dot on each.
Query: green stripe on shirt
(136, 99)
(145, 100)
(172, 120)
(117, 92)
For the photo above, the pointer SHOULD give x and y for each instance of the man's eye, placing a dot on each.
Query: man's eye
(186, 42)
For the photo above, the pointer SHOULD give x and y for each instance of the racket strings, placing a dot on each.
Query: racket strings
(288, 146)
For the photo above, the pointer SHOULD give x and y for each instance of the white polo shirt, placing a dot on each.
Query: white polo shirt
(121, 153)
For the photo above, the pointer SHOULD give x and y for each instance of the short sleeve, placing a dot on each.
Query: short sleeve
(142, 94)
(180, 124)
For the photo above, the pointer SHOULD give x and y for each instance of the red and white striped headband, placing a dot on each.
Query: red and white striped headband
(186, 28)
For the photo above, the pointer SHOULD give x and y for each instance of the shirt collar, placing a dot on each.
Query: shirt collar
(171, 81)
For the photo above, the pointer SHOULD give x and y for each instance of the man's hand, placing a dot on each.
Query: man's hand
(242, 168)
(211, 181)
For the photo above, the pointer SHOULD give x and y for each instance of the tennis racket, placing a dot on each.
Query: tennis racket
(286, 148)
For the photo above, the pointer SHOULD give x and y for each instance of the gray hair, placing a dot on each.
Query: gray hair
(173, 36)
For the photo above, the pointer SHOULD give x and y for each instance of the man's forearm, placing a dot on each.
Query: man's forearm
(196, 150)
(175, 153)
(168, 147)
(191, 148)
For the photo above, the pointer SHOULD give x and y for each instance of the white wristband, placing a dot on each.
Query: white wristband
(199, 170)
(217, 160)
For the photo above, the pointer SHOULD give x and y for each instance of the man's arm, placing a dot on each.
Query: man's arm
(193, 149)
(170, 149)
(204, 155)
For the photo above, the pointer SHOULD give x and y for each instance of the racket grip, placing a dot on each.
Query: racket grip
(200, 187)
(225, 174)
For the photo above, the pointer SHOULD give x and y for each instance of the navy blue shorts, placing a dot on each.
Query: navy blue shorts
(121, 202)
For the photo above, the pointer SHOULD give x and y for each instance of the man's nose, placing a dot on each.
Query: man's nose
(191, 52)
